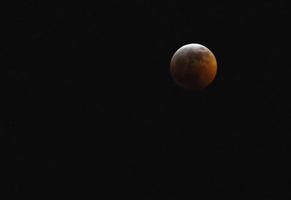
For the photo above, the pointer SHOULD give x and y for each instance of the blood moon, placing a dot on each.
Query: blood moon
(193, 67)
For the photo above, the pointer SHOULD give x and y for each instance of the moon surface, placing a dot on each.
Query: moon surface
(193, 67)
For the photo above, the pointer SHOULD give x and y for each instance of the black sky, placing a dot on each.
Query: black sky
(89, 106)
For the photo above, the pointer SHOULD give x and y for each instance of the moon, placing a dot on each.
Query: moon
(193, 67)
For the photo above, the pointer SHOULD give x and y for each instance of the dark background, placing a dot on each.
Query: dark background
(89, 106)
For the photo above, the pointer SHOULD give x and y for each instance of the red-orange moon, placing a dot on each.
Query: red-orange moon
(193, 67)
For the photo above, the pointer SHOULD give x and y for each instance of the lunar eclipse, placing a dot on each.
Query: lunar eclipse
(193, 67)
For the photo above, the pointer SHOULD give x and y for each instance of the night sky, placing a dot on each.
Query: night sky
(89, 106)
